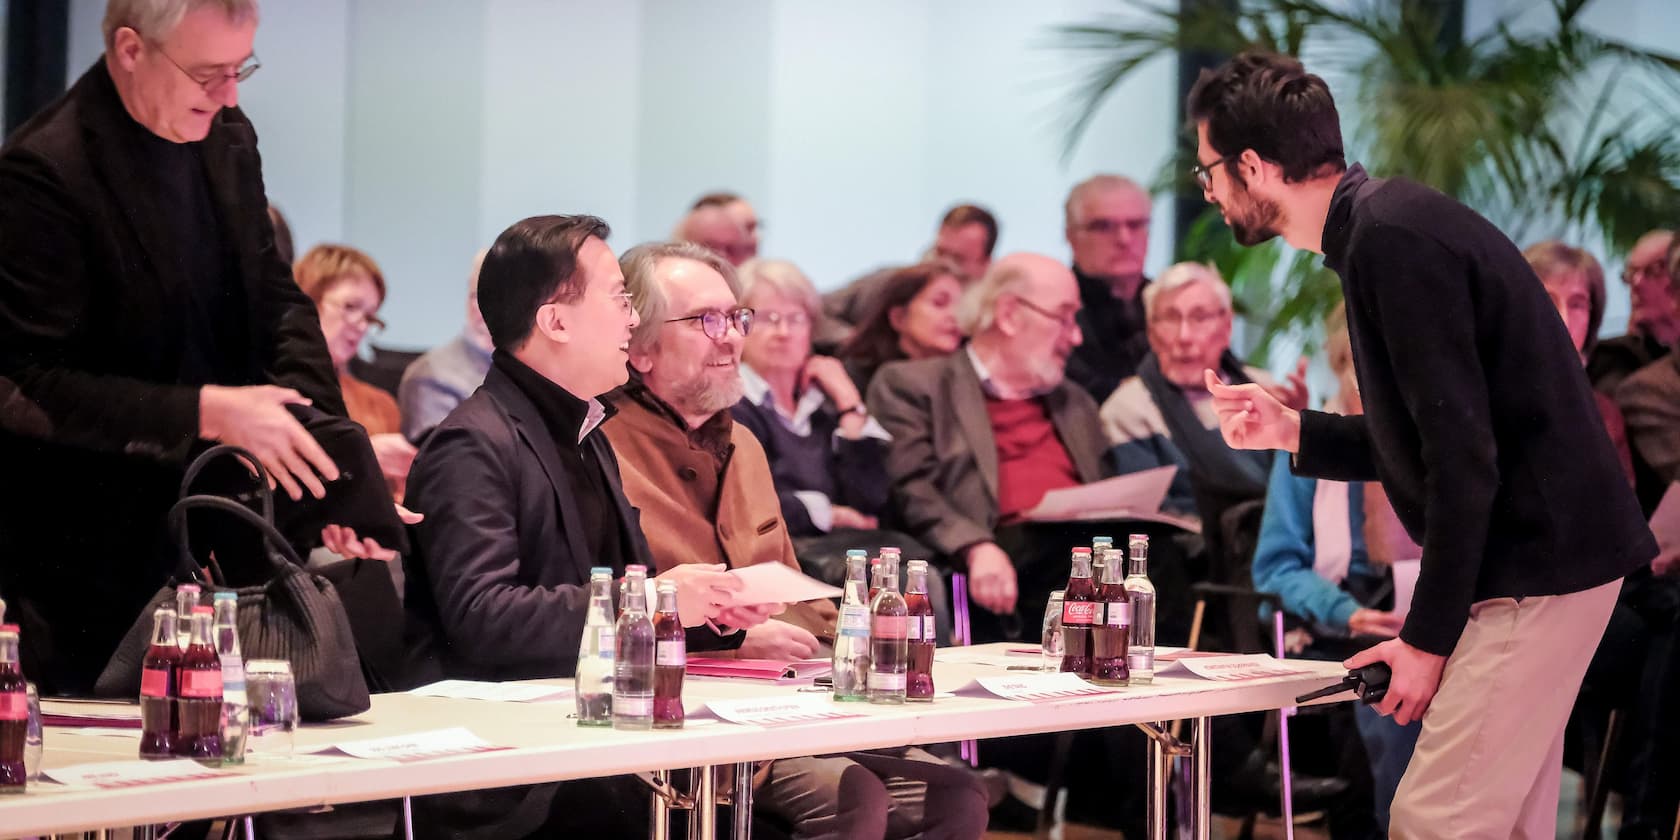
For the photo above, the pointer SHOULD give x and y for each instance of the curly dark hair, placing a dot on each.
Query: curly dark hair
(1271, 104)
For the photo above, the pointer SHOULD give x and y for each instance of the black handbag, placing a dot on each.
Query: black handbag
(296, 615)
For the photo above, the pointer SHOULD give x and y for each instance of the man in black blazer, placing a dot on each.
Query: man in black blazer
(1479, 422)
(143, 312)
(525, 497)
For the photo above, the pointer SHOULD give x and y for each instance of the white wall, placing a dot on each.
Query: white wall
(418, 130)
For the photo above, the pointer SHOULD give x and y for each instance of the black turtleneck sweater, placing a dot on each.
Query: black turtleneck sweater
(1478, 417)
(1115, 340)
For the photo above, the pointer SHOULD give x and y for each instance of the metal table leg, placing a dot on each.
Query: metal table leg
(702, 822)
(1201, 785)
(1162, 748)
(742, 799)
(659, 819)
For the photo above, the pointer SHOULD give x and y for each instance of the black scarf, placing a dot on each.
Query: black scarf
(1216, 470)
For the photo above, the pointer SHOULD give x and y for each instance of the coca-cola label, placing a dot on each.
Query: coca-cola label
(1117, 614)
(201, 683)
(673, 652)
(14, 705)
(154, 682)
(632, 706)
(854, 621)
(1079, 613)
(890, 626)
(883, 681)
(922, 629)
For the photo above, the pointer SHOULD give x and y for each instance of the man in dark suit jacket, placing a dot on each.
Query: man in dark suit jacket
(1479, 422)
(143, 312)
(527, 498)
(978, 438)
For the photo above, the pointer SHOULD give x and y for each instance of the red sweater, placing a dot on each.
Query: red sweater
(1032, 461)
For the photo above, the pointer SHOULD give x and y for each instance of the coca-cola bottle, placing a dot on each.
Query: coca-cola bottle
(198, 733)
(158, 687)
(919, 673)
(1079, 612)
(670, 660)
(1112, 630)
(14, 714)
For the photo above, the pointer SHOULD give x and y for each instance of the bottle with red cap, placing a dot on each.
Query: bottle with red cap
(198, 705)
(14, 714)
(1079, 613)
(158, 687)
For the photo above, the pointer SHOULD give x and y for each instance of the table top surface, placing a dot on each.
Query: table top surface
(546, 744)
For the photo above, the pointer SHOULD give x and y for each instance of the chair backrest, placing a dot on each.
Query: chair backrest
(385, 369)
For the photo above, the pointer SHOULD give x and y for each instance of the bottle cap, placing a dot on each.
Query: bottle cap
(600, 570)
(8, 628)
(856, 552)
(667, 586)
(1082, 550)
(226, 596)
(635, 569)
(1102, 540)
(1143, 538)
(917, 565)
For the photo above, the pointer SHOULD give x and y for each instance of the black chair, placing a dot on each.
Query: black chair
(385, 369)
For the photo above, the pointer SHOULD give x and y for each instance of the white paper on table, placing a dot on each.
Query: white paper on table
(1136, 495)
(1405, 583)
(1665, 520)
(774, 583)
(1236, 668)
(1041, 686)
(780, 711)
(506, 692)
(416, 746)
(121, 774)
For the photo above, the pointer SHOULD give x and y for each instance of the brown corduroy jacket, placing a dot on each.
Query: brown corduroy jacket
(691, 511)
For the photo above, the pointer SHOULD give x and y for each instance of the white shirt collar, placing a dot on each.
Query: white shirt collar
(757, 392)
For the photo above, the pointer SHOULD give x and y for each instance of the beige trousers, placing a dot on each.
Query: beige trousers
(1489, 760)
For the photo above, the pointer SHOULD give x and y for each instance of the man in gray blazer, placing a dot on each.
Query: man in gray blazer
(981, 435)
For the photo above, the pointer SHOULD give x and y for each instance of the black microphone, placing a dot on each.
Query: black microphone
(1369, 684)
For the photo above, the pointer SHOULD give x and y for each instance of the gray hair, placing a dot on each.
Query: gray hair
(1096, 183)
(783, 278)
(638, 265)
(1180, 275)
(979, 309)
(155, 19)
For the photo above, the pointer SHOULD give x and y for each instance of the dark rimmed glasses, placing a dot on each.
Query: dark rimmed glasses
(1203, 172)
(715, 323)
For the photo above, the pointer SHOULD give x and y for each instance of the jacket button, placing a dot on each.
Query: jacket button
(688, 473)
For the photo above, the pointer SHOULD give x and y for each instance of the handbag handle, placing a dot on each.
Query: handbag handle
(275, 541)
(265, 494)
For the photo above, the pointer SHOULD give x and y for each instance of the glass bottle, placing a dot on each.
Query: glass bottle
(158, 676)
(1079, 608)
(1111, 632)
(922, 636)
(199, 704)
(632, 691)
(594, 674)
(186, 600)
(889, 632)
(14, 715)
(851, 633)
(1141, 652)
(1099, 555)
(670, 660)
(236, 709)
(1050, 641)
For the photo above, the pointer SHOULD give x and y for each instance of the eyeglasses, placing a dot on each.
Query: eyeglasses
(715, 323)
(791, 320)
(215, 78)
(1109, 227)
(625, 303)
(1203, 172)
(356, 316)
(1068, 320)
(1197, 319)
(1633, 274)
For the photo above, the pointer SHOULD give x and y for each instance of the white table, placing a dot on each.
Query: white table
(551, 747)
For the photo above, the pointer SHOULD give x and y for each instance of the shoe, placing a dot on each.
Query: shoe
(1259, 786)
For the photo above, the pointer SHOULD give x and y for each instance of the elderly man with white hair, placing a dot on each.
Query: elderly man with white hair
(1164, 415)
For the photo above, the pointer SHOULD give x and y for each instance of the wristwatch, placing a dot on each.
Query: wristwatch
(859, 409)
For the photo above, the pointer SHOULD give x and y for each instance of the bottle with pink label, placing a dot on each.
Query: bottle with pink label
(1079, 613)
(14, 714)
(158, 687)
(889, 639)
(670, 660)
(923, 633)
(198, 705)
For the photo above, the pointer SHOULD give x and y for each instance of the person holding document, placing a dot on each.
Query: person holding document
(1481, 426)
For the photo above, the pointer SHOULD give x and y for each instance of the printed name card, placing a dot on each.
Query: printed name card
(1041, 686)
(779, 711)
(506, 692)
(417, 746)
(1238, 668)
(123, 774)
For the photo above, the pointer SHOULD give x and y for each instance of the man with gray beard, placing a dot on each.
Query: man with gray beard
(706, 495)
